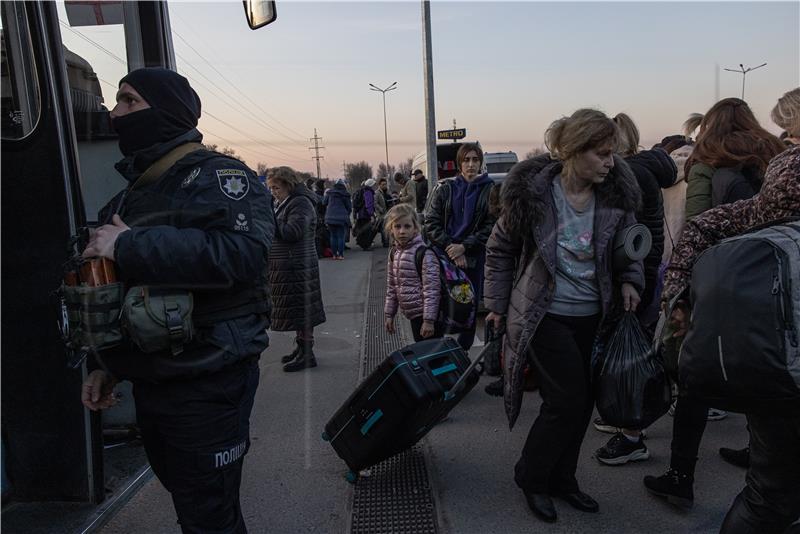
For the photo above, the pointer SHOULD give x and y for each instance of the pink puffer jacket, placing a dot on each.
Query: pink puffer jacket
(405, 290)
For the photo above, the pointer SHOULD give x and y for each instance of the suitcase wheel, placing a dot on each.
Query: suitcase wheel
(351, 477)
(325, 436)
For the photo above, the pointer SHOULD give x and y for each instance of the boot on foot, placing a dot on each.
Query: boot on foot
(304, 360)
(674, 486)
(293, 354)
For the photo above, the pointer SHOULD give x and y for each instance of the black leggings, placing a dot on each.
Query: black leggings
(560, 355)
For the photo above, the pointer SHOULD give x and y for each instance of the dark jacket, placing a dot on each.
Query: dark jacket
(339, 205)
(654, 170)
(420, 194)
(293, 264)
(778, 199)
(438, 215)
(521, 255)
(708, 187)
(189, 230)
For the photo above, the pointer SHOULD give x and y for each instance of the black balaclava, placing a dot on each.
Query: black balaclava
(174, 109)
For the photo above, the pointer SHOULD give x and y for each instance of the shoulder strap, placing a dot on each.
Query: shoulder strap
(158, 168)
(419, 256)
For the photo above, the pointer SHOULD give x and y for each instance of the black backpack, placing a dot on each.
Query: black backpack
(742, 350)
(358, 201)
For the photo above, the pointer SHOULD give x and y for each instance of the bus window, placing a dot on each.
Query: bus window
(20, 88)
(95, 58)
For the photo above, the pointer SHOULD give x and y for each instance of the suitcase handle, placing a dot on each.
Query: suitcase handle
(460, 382)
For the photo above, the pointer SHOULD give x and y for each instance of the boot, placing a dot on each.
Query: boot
(293, 355)
(495, 388)
(305, 358)
(673, 485)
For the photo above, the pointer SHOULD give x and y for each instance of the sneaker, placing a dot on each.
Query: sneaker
(737, 457)
(620, 450)
(672, 408)
(601, 425)
(716, 415)
(674, 486)
(495, 389)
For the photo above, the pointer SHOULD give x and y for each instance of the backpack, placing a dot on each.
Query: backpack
(742, 350)
(456, 294)
(358, 202)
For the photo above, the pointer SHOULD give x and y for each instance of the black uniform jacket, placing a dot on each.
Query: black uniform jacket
(206, 225)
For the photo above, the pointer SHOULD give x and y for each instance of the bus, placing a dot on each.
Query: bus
(58, 153)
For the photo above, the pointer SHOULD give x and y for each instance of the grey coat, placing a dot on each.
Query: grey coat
(521, 255)
(293, 264)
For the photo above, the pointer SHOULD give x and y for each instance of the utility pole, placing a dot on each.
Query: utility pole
(344, 169)
(743, 71)
(316, 148)
(430, 112)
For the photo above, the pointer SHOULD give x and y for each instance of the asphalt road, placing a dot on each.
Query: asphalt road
(293, 481)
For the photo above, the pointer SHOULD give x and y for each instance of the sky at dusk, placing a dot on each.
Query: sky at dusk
(502, 70)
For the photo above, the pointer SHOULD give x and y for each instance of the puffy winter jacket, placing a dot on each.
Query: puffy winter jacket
(293, 265)
(403, 283)
(339, 205)
(654, 170)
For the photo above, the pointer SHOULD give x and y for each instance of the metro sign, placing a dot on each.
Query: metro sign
(459, 133)
(94, 13)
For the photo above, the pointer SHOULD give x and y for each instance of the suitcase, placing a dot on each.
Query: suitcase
(393, 408)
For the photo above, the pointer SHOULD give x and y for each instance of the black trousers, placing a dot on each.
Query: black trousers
(196, 433)
(560, 354)
(771, 500)
(688, 426)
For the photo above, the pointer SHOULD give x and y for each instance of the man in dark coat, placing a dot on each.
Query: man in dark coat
(195, 220)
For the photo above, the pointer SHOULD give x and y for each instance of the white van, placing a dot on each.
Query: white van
(499, 162)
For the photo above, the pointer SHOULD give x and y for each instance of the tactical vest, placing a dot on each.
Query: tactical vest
(153, 205)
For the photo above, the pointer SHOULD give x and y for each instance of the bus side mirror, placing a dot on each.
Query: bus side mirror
(259, 12)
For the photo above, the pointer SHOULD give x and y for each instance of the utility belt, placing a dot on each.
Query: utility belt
(99, 314)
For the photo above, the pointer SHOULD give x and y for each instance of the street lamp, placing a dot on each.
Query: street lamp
(744, 72)
(385, 135)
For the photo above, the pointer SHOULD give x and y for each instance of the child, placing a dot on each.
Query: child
(416, 294)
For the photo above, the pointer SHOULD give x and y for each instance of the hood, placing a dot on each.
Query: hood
(658, 162)
(781, 188)
(522, 196)
(300, 190)
(339, 189)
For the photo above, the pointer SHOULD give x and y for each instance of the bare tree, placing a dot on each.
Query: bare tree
(357, 173)
(262, 168)
(383, 172)
(535, 151)
(404, 167)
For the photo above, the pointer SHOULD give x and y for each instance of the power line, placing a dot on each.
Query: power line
(201, 56)
(223, 99)
(232, 127)
(90, 41)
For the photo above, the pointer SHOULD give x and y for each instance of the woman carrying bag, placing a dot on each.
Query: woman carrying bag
(548, 276)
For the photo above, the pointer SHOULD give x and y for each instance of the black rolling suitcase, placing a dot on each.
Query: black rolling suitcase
(393, 408)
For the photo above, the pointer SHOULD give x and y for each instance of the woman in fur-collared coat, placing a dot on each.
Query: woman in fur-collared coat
(548, 274)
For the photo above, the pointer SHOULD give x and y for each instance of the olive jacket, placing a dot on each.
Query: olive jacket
(521, 255)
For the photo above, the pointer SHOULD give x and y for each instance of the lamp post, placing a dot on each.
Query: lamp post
(743, 71)
(385, 134)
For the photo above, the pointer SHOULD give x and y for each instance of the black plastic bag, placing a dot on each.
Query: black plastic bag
(492, 364)
(631, 387)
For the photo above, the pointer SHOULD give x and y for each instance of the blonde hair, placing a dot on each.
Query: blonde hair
(628, 144)
(398, 212)
(786, 112)
(584, 130)
(285, 175)
(691, 124)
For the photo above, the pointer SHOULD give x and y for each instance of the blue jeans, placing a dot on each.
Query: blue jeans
(337, 238)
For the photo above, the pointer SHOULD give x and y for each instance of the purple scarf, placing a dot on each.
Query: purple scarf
(464, 198)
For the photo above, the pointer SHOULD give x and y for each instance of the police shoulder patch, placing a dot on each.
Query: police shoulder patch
(233, 183)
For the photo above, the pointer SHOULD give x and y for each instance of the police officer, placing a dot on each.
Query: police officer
(196, 220)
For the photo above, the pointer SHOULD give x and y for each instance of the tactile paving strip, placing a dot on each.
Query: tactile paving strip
(395, 496)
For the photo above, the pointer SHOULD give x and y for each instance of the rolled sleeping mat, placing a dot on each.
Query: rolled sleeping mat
(631, 244)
